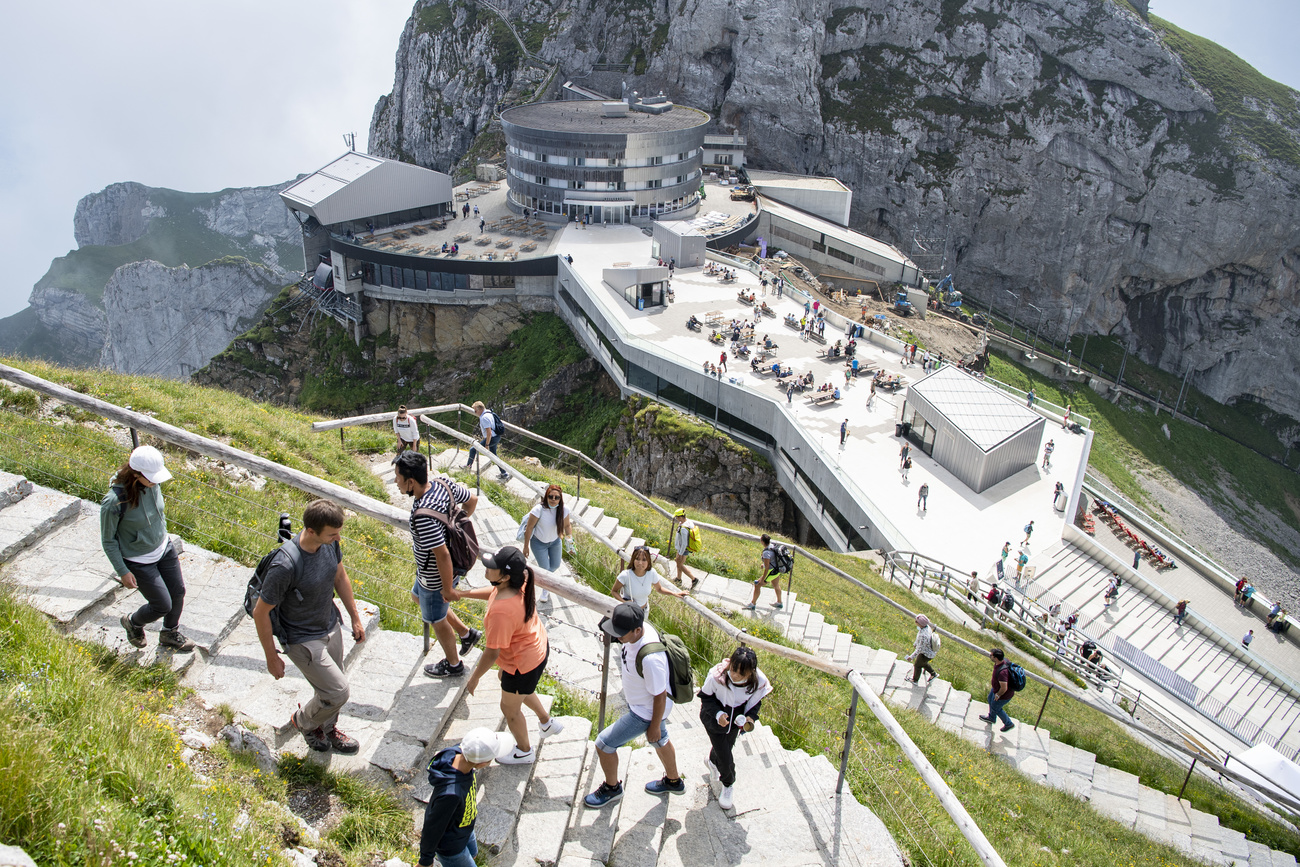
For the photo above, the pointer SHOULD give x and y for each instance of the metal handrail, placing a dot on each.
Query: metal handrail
(567, 589)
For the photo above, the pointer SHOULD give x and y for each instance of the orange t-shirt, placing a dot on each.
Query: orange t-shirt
(522, 645)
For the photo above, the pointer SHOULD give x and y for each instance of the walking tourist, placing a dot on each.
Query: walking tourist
(683, 529)
(133, 534)
(449, 817)
(923, 650)
(771, 569)
(435, 501)
(907, 467)
(645, 674)
(1248, 638)
(1180, 612)
(923, 497)
(407, 431)
(730, 698)
(300, 586)
(844, 427)
(546, 528)
(1001, 690)
(634, 583)
(1029, 531)
(973, 586)
(1047, 454)
(490, 438)
(515, 641)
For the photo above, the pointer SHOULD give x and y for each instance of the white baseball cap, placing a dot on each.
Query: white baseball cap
(484, 745)
(148, 462)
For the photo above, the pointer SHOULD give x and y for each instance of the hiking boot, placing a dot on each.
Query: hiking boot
(519, 757)
(665, 786)
(987, 719)
(471, 638)
(725, 798)
(341, 743)
(445, 669)
(134, 634)
(1008, 727)
(176, 640)
(315, 738)
(606, 794)
(551, 727)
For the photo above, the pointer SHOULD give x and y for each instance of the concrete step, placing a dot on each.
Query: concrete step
(859, 656)
(877, 671)
(843, 643)
(954, 713)
(578, 506)
(13, 488)
(826, 640)
(589, 838)
(621, 538)
(29, 518)
(59, 564)
(606, 526)
(1115, 795)
(850, 833)
(812, 631)
(592, 515)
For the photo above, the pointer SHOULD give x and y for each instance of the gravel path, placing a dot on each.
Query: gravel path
(1231, 539)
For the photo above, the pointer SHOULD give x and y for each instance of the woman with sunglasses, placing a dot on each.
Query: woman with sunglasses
(730, 699)
(515, 641)
(635, 583)
(548, 525)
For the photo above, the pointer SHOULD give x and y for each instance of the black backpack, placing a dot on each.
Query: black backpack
(462, 540)
(498, 426)
(253, 591)
(782, 559)
(1016, 676)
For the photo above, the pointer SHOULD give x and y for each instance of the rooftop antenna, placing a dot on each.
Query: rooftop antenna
(350, 139)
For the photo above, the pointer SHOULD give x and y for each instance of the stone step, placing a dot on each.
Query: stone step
(24, 522)
(592, 515)
(840, 653)
(953, 715)
(826, 640)
(648, 823)
(877, 670)
(214, 606)
(579, 506)
(61, 568)
(859, 656)
(606, 526)
(850, 833)
(621, 538)
(936, 696)
(812, 631)
(1115, 795)
(550, 797)
(13, 488)
(589, 838)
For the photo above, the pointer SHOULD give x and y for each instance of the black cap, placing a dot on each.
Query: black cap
(626, 617)
(509, 560)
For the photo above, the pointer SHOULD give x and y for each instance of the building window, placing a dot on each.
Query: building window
(655, 184)
(724, 159)
(656, 161)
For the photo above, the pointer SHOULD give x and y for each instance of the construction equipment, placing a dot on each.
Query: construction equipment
(743, 193)
(949, 299)
(903, 307)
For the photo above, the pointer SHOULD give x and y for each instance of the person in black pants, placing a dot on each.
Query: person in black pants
(730, 699)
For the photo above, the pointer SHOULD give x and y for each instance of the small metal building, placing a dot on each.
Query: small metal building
(972, 430)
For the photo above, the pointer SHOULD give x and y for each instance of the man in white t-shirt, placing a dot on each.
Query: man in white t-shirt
(408, 432)
(488, 436)
(648, 702)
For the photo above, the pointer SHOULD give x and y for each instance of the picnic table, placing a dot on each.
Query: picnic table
(504, 242)
(823, 398)
(482, 240)
(462, 237)
(528, 246)
(713, 317)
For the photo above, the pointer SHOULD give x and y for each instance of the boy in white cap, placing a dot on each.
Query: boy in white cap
(448, 832)
(133, 533)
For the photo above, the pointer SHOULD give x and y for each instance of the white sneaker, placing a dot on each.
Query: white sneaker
(713, 769)
(724, 799)
(545, 597)
(552, 727)
(519, 757)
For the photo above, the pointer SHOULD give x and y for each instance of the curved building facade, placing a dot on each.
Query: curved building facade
(606, 161)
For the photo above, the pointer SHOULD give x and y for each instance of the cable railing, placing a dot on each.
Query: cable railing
(570, 590)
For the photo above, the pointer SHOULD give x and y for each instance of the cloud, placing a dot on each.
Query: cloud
(191, 96)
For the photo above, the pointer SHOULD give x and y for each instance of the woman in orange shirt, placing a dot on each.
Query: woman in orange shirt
(515, 642)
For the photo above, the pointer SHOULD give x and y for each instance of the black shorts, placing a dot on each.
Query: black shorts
(525, 682)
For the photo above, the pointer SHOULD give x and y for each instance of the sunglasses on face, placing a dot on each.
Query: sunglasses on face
(555, 497)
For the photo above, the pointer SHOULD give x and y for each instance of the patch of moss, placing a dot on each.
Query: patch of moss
(434, 18)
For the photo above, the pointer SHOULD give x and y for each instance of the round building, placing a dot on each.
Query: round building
(617, 162)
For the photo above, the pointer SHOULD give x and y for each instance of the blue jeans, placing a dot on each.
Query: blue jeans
(492, 447)
(547, 553)
(996, 706)
(465, 858)
(163, 589)
(624, 729)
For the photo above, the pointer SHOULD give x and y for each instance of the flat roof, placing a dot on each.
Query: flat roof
(835, 231)
(983, 413)
(318, 185)
(580, 115)
(805, 182)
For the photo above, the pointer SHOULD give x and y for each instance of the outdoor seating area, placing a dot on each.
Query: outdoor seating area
(1110, 515)
(473, 191)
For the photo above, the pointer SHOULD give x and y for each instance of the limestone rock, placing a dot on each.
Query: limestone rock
(240, 739)
(80, 325)
(117, 214)
(12, 856)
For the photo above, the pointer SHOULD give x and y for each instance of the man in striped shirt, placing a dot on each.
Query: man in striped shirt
(433, 560)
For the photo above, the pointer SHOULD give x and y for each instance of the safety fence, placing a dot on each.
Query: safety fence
(84, 460)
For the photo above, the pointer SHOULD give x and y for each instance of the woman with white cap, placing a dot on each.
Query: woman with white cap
(927, 645)
(133, 531)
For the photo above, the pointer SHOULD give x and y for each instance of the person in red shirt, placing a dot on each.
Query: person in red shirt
(516, 643)
(1000, 690)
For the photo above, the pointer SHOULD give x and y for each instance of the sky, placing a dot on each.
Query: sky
(200, 96)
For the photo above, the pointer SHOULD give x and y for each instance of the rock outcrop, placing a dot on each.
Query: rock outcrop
(78, 324)
(1121, 175)
(169, 322)
(116, 215)
(663, 453)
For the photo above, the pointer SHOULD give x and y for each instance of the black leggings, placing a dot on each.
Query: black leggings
(162, 587)
(720, 755)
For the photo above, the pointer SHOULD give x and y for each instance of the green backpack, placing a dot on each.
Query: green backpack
(681, 679)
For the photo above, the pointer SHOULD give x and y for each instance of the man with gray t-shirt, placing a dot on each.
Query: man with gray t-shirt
(303, 596)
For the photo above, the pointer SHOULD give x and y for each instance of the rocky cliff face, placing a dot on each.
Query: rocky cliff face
(80, 325)
(663, 453)
(169, 322)
(1123, 176)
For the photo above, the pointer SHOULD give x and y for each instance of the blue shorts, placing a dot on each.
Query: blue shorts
(624, 729)
(433, 608)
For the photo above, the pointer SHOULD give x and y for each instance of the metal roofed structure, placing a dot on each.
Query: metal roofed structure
(357, 186)
(827, 198)
(977, 433)
(829, 246)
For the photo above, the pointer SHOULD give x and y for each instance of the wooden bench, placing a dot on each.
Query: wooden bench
(824, 399)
